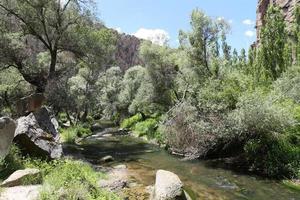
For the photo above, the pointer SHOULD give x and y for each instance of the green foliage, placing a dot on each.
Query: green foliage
(258, 114)
(146, 128)
(72, 180)
(273, 40)
(130, 122)
(70, 135)
(273, 156)
(12, 162)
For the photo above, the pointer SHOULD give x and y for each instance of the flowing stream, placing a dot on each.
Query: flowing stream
(201, 178)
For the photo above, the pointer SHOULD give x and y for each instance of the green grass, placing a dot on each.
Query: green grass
(60, 179)
(70, 135)
(72, 180)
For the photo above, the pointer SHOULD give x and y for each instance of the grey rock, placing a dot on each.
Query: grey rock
(167, 186)
(7, 132)
(30, 192)
(19, 176)
(37, 135)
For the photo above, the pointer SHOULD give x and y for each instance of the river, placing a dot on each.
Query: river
(206, 181)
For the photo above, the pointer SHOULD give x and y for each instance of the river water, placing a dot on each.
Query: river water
(202, 179)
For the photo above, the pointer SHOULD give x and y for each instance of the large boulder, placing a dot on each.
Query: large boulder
(18, 177)
(7, 132)
(167, 187)
(37, 134)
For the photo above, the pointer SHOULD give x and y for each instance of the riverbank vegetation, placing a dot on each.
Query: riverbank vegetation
(60, 179)
(203, 99)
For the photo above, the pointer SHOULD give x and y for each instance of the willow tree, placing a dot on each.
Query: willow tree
(31, 27)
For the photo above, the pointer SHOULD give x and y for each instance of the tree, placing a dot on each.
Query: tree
(131, 83)
(30, 27)
(205, 32)
(160, 73)
(273, 39)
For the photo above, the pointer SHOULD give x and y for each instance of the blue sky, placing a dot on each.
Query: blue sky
(169, 16)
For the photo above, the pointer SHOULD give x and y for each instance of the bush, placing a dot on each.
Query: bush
(12, 162)
(72, 180)
(190, 134)
(273, 156)
(130, 122)
(146, 128)
(70, 135)
(258, 114)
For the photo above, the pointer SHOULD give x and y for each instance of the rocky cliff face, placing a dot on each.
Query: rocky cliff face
(127, 54)
(287, 7)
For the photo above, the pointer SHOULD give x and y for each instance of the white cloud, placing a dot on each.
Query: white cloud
(119, 30)
(230, 21)
(157, 36)
(248, 22)
(249, 33)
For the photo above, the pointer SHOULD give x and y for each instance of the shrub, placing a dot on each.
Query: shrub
(130, 122)
(70, 135)
(72, 180)
(273, 156)
(146, 128)
(190, 134)
(258, 114)
(12, 162)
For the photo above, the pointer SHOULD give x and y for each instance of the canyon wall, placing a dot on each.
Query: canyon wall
(287, 7)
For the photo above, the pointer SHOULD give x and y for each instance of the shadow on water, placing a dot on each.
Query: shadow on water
(208, 180)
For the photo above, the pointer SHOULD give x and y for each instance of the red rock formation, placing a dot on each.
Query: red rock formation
(287, 7)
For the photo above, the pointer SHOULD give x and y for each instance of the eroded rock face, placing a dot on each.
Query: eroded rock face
(36, 134)
(167, 186)
(127, 54)
(7, 132)
(287, 7)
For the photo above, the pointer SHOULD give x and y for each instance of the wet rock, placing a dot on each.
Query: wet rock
(107, 159)
(7, 132)
(30, 192)
(37, 134)
(167, 186)
(117, 179)
(18, 177)
(120, 167)
(113, 184)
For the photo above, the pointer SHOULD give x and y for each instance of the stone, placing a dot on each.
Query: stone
(113, 184)
(107, 159)
(120, 167)
(19, 176)
(37, 135)
(30, 104)
(167, 186)
(29, 192)
(7, 132)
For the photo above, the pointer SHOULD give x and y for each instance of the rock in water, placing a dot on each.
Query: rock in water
(18, 177)
(167, 186)
(7, 132)
(37, 135)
